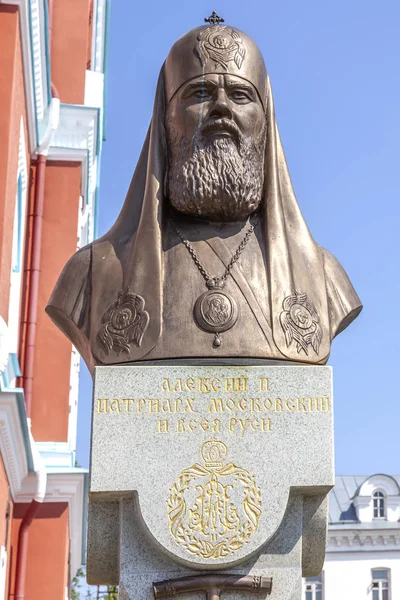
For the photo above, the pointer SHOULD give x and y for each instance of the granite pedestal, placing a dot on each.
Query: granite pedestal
(209, 468)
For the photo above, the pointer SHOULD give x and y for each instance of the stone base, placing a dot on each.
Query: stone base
(209, 469)
(119, 552)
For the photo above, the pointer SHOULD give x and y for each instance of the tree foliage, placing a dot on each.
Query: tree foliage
(99, 592)
(76, 584)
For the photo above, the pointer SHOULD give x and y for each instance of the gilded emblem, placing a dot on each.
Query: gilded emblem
(300, 323)
(220, 44)
(124, 323)
(214, 508)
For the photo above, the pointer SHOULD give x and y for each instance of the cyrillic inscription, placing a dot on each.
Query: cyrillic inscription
(236, 405)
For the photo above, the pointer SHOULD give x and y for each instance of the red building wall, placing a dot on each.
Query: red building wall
(52, 365)
(47, 565)
(12, 107)
(6, 515)
(48, 548)
(70, 39)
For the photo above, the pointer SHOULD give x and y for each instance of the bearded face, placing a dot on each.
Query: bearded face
(216, 170)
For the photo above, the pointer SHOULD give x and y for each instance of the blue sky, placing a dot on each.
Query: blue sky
(335, 74)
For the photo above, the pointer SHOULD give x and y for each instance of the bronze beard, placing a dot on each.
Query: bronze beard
(219, 179)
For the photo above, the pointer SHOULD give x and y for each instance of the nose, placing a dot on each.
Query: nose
(221, 107)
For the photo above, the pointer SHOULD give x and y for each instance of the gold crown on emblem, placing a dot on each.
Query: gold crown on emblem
(214, 453)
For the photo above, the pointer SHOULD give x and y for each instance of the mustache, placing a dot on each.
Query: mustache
(224, 125)
(210, 177)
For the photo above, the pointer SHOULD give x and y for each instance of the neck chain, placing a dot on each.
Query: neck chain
(215, 311)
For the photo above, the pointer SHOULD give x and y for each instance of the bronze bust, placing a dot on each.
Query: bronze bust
(210, 255)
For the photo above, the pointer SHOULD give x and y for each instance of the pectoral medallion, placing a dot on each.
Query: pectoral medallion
(216, 311)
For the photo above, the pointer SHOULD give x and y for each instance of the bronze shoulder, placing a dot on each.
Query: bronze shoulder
(69, 303)
(344, 303)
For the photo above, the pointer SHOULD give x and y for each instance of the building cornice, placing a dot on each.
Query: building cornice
(354, 541)
(14, 439)
(36, 65)
(78, 139)
(64, 485)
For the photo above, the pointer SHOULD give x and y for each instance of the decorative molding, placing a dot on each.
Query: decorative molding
(353, 541)
(39, 56)
(99, 35)
(34, 42)
(64, 485)
(18, 242)
(78, 138)
(14, 439)
(78, 129)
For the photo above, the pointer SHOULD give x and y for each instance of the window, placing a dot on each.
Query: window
(314, 588)
(380, 584)
(379, 505)
(17, 232)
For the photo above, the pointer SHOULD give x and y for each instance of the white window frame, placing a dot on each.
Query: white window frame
(18, 247)
(380, 582)
(380, 497)
(313, 587)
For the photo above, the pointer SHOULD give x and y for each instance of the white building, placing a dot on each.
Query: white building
(363, 553)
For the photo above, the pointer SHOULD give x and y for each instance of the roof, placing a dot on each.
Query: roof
(341, 508)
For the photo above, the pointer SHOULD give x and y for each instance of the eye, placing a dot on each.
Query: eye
(201, 93)
(240, 96)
